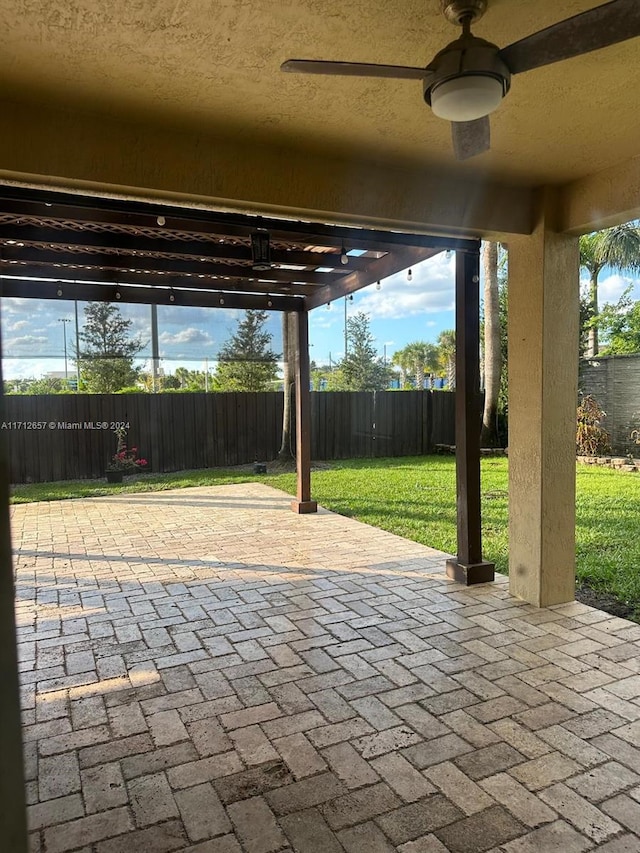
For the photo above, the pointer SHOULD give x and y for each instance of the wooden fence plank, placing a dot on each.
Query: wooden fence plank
(181, 431)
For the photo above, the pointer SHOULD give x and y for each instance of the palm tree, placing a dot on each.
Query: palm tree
(447, 355)
(617, 248)
(423, 358)
(492, 348)
(400, 360)
(289, 345)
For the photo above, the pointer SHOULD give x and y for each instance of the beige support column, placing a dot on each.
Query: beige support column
(543, 375)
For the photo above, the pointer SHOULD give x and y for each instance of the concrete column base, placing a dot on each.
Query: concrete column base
(470, 574)
(304, 507)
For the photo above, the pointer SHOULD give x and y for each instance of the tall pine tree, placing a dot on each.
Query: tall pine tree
(361, 369)
(107, 349)
(246, 362)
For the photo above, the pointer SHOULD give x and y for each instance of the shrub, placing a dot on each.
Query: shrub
(635, 432)
(591, 437)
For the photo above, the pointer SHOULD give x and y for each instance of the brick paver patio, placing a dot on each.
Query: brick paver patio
(206, 671)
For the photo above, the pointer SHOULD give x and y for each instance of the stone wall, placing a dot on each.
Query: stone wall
(614, 380)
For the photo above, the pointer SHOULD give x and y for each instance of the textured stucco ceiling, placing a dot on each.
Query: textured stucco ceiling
(213, 65)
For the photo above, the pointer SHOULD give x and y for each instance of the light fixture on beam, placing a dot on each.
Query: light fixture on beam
(260, 251)
(409, 275)
(378, 285)
(344, 258)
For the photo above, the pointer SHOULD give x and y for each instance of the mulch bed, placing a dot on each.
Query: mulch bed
(604, 601)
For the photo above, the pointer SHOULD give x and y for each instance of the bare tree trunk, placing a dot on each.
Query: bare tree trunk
(288, 357)
(492, 353)
(451, 373)
(592, 344)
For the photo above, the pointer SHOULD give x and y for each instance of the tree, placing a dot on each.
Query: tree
(422, 358)
(289, 346)
(106, 357)
(190, 380)
(47, 385)
(617, 248)
(586, 321)
(492, 345)
(361, 369)
(503, 309)
(401, 360)
(620, 324)
(245, 362)
(447, 355)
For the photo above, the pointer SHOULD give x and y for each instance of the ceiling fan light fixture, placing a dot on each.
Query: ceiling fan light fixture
(467, 98)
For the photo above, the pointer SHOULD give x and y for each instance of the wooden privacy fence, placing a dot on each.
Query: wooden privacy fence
(64, 437)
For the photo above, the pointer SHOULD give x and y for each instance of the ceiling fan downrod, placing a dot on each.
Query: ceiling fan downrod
(463, 12)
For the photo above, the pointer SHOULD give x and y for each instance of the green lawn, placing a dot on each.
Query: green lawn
(415, 497)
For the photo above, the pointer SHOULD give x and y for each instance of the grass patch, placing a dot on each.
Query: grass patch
(415, 497)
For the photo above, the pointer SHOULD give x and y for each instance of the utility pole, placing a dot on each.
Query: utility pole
(155, 350)
(64, 321)
(206, 375)
(77, 348)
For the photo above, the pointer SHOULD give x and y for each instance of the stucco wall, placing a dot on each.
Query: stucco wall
(614, 381)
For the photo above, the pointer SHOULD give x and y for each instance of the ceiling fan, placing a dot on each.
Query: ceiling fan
(467, 80)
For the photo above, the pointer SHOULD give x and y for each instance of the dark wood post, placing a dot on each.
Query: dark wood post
(303, 502)
(13, 824)
(468, 567)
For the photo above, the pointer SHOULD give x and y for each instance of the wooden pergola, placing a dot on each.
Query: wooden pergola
(72, 247)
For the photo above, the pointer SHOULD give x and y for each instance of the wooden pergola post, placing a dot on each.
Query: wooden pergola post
(468, 567)
(13, 826)
(303, 502)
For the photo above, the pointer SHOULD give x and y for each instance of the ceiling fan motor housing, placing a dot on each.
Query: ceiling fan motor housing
(468, 56)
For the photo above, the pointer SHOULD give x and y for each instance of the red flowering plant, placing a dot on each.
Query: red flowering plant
(125, 458)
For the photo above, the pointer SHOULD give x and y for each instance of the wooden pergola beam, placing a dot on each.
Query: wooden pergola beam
(113, 264)
(389, 264)
(135, 214)
(130, 294)
(63, 236)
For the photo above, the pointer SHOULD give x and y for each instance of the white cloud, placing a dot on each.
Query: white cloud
(432, 289)
(29, 368)
(185, 336)
(610, 289)
(323, 319)
(26, 343)
(18, 326)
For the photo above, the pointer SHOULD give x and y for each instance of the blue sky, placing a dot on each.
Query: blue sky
(400, 312)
